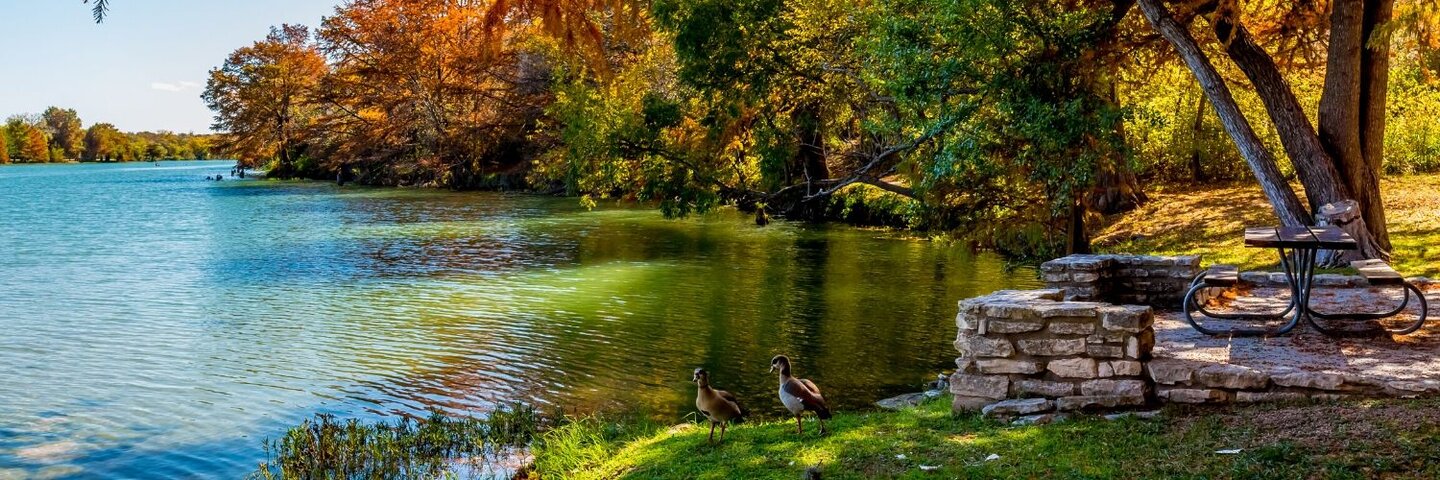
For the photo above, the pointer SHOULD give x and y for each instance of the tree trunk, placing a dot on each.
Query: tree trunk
(1374, 86)
(1340, 112)
(1077, 239)
(809, 157)
(1324, 183)
(1282, 198)
(1317, 173)
(1197, 171)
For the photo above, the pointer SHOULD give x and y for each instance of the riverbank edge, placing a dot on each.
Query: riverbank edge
(1357, 439)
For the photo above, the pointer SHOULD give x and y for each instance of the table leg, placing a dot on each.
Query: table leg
(1299, 270)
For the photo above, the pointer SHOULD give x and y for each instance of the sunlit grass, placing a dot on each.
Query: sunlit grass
(930, 442)
(1209, 220)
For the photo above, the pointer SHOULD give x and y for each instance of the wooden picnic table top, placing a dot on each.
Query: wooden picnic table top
(1326, 237)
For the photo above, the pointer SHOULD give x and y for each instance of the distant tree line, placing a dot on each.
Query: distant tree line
(58, 135)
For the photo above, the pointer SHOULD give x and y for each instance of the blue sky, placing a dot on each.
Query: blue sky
(143, 69)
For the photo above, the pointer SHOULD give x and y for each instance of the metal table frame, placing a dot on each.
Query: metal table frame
(1298, 248)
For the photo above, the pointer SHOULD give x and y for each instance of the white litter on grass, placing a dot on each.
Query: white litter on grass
(900, 456)
(1229, 452)
(992, 457)
(929, 468)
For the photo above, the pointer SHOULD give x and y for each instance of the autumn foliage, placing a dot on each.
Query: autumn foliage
(1020, 121)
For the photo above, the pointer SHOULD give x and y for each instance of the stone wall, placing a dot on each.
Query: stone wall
(1122, 279)
(1032, 353)
(1044, 353)
(1187, 381)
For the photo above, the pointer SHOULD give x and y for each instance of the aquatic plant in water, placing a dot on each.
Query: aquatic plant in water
(438, 446)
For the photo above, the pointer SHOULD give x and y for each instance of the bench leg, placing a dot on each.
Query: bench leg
(1190, 305)
(1409, 291)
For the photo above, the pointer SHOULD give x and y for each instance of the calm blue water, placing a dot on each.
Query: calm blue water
(158, 325)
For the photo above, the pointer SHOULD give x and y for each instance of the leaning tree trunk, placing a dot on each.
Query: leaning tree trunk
(1324, 184)
(1341, 104)
(1282, 198)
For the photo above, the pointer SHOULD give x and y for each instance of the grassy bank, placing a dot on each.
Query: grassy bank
(1208, 220)
(1392, 439)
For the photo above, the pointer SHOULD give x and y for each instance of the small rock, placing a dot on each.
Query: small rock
(1019, 406)
(900, 402)
(1040, 419)
(1171, 372)
(1143, 415)
(1252, 397)
(1084, 402)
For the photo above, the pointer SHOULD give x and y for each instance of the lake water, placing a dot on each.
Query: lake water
(158, 325)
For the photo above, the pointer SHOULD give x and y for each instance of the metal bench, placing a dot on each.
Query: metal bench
(1380, 274)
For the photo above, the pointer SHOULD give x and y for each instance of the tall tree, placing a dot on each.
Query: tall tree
(103, 143)
(35, 148)
(65, 130)
(4, 148)
(260, 97)
(1330, 162)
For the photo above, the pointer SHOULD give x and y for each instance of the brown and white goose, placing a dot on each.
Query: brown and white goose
(720, 406)
(799, 394)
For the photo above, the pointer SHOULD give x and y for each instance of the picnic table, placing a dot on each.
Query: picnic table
(1298, 248)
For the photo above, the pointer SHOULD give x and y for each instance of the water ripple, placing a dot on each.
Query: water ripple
(159, 325)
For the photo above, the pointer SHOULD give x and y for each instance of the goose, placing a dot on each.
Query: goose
(799, 395)
(720, 406)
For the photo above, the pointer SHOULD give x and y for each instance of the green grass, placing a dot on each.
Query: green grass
(1396, 439)
(1209, 220)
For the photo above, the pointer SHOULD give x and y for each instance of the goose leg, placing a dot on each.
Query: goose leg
(712, 431)
(722, 431)
(799, 426)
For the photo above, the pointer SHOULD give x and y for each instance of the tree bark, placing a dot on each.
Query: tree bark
(1340, 112)
(1077, 239)
(809, 157)
(1282, 198)
(1197, 171)
(1374, 87)
(1317, 173)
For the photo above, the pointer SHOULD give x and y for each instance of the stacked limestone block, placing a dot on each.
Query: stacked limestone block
(1123, 279)
(1184, 381)
(1045, 353)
